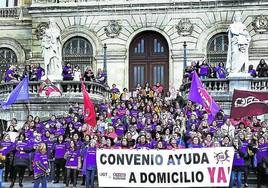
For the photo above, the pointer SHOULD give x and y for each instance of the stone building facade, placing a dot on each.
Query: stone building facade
(144, 38)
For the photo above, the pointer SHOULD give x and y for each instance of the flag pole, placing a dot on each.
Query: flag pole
(29, 105)
(29, 108)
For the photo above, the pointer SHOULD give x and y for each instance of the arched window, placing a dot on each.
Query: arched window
(8, 3)
(7, 58)
(148, 60)
(217, 48)
(78, 51)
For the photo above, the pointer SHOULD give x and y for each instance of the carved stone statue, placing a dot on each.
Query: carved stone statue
(239, 39)
(51, 46)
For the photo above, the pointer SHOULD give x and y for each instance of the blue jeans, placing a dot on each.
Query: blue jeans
(1, 177)
(90, 175)
(236, 175)
(52, 170)
(42, 180)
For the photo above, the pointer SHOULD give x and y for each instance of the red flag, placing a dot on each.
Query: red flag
(249, 103)
(88, 112)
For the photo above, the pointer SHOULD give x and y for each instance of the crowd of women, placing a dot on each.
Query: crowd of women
(206, 71)
(69, 73)
(149, 117)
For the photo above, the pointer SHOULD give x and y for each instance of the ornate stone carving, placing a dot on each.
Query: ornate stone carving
(51, 46)
(260, 24)
(40, 30)
(184, 27)
(113, 29)
(239, 40)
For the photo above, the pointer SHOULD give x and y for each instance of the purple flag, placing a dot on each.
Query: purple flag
(21, 92)
(200, 95)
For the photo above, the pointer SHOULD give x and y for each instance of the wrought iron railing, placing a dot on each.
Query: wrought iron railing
(68, 88)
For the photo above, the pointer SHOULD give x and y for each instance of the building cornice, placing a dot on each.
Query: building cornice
(123, 6)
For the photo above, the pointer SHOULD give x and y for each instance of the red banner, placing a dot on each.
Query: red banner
(249, 103)
(89, 111)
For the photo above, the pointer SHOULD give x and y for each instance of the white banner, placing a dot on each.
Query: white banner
(198, 167)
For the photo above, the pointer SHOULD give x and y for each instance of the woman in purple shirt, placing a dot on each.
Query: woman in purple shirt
(59, 150)
(90, 164)
(21, 159)
(7, 147)
(238, 164)
(195, 143)
(67, 72)
(73, 163)
(41, 167)
(204, 70)
(220, 71)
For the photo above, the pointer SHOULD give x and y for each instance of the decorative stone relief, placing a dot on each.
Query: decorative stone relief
(260, 24)
(113, 29)
(185, 27)
(40, 30)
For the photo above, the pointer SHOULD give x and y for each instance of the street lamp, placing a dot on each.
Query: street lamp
(184, 56)
(105, 63)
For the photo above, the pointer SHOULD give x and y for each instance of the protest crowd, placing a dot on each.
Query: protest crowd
(148, 118)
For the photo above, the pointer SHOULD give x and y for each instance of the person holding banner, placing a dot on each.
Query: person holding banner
(238, 163)
(90, 164)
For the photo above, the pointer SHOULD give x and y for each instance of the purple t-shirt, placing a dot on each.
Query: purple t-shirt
(238, 160)
(40, 163)
(72, 158)
(7, 77)
(120, 130)
(39, 73)
(77, 125)
(39, 127)
(91, 157)
(262, 152)
(115, 90)
(204, 70)
(59, 149)
(195, 146)
(67, 72)
(22, 146)
(6, 147)
(134, 113)
(220, 71)
(59, 132)
(147, 145)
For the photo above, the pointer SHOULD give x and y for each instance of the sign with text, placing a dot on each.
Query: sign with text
(198, 167)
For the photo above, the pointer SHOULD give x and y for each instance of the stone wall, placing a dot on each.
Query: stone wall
(91, 19)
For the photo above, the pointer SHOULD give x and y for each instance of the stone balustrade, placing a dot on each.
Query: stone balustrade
(218, 87)
(259, 84)
(68, 88)
(179, 3)
(9, 12)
